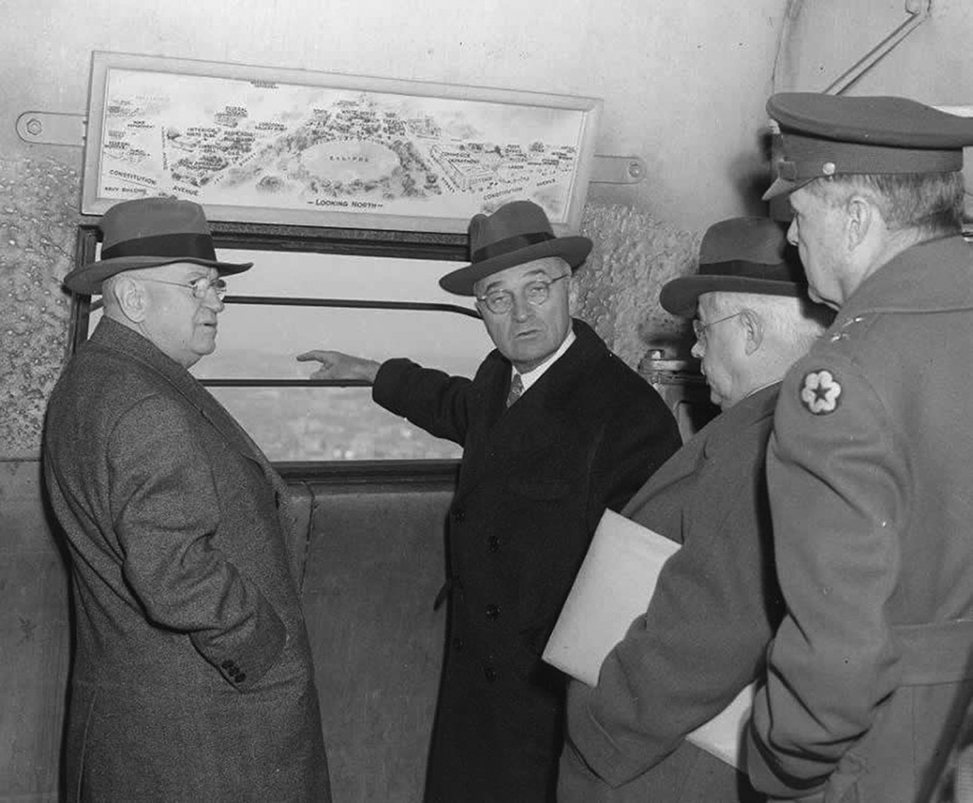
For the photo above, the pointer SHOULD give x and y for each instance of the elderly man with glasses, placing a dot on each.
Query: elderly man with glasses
(192, 676)
(702, 638)
(554, 429)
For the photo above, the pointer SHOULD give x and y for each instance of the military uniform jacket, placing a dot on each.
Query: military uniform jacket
(534, 482)
(703, 637)
(870, 472)
(192, 676)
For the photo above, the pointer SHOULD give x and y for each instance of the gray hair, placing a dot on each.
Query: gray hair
(796, 322)
(931, 204)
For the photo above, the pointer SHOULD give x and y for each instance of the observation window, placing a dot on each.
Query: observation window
(377, 305)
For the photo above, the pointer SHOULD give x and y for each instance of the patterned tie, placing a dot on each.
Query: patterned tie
(516, 389)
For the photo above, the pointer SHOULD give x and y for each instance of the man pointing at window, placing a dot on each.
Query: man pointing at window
(554, 429)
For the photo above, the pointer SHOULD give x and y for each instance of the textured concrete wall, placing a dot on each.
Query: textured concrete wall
(38, 226)
(617, 291)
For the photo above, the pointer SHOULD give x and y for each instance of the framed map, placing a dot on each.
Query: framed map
(266, 145)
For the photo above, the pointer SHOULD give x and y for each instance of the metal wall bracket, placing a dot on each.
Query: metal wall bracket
(617, 170)
(918, 11)
(52, 128)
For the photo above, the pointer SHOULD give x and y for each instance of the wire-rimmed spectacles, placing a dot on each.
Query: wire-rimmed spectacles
(500, 302)
(699, 328)
(200, 286)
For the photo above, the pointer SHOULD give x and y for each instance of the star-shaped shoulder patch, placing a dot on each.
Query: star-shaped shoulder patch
(820, 392)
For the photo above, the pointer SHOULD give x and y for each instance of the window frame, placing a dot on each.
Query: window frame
(442, 246)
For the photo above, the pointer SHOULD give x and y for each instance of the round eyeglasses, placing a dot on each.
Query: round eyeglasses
(200, 286)
(699, 328)
(500, 302)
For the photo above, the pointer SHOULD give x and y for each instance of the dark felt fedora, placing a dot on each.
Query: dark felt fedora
(516, 233)
(739, 255)
(147, 233)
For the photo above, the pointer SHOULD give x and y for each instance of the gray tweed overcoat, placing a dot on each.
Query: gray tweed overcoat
(192, 675)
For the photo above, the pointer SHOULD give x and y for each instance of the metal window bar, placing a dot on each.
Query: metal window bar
(285, 301)
(418, 245)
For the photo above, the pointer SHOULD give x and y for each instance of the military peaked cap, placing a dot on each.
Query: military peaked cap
(828, 135)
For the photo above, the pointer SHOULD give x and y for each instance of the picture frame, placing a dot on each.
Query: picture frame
(293, 147)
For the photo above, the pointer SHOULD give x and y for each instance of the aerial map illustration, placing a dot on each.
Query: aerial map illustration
(237, 142)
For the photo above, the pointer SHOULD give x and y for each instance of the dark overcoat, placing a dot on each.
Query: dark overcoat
(870, 471)
(703, 637)
(534, 482)
(192, 677)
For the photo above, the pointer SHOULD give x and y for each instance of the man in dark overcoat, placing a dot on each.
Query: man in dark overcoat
(192, 676)
(870, 463)
(580, 432)
(716, 604)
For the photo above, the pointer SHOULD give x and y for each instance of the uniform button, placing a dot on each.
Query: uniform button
(494, 543)
(492, 611)
(458, 643)
(489, 673)
(458, 514)
(226, 664)
(241, 677)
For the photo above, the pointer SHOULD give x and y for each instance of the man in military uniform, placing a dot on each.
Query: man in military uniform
(554, 429)
(870, 464)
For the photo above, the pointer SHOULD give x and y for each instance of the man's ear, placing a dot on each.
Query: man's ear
(130, 298)
(753, 327)
(860, 217)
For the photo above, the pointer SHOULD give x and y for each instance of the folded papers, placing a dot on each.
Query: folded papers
(613, 587)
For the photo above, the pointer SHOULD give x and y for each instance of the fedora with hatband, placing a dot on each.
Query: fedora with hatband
(739, 255)
(516, 233)
(147, 233)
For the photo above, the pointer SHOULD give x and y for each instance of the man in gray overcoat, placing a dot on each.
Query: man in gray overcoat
(192, 675)
(716, 604)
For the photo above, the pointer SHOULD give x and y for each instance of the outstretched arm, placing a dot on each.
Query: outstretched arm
(338, 365)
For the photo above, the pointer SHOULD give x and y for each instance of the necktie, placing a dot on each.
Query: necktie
(516, 389)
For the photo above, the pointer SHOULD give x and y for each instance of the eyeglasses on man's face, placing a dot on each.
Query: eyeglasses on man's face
(699, 328)
(500, 302)
(200, 287)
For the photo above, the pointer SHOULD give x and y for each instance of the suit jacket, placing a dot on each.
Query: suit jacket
(534, 481)
(703, 637)
(192, 676)
(870, 468)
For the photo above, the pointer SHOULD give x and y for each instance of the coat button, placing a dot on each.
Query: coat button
(458, 514)
(242, 676)
(458, 644)
(489, 673)
(492, 611)
(493, 543)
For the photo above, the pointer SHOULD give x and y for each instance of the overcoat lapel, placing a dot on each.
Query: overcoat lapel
(114, 336)
(707, 442)
(507, 436)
